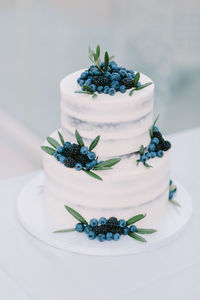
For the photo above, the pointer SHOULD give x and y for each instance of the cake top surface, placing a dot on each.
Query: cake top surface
(69, 86)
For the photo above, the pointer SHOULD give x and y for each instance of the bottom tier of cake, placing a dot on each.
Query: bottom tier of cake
(125, 191)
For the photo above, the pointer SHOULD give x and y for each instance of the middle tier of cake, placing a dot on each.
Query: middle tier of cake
(126, 190)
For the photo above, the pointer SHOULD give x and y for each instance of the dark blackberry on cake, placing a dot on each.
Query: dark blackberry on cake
(100, 80)
(166, 145)
(82, 159)
(74, 150)
(112, 221)
(69, 162)
(128, 82)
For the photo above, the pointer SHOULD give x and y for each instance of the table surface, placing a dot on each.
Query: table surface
(30, 269)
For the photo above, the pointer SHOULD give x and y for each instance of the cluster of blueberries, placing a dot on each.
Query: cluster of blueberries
(75, 156)
(104, 229)
(114, 79)
(156, 147)
(172, 192)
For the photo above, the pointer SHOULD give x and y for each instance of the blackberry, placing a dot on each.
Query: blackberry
(158, 147)
(101, 229)
(112, 221)
(81, 158)
(166, 146)
(100, 80)
(69, 162)
(128, 82)
(74, 150)
(158, 135)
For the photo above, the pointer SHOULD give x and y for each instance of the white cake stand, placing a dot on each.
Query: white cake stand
(31, 214)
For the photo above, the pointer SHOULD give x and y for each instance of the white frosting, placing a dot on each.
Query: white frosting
(121, 120)
(126, 190)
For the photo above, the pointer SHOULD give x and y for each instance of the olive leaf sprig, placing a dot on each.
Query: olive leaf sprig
(104, 165)
(88, 91)
(94, 56)
(172, 191)
(135, 235)
(135, 82)
(151, 128)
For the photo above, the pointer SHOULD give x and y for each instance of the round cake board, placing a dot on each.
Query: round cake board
(32, 216)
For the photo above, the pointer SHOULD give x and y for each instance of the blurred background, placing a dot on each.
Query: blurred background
(42, 41)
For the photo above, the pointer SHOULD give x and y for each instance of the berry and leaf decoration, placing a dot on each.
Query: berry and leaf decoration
(78, 156)
(107, 77)
(156, 148)
(108, 229)
(172, 191)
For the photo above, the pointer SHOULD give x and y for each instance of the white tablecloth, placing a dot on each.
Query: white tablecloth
(30, 269)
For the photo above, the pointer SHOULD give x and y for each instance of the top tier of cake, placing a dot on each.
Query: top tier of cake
(122, 121)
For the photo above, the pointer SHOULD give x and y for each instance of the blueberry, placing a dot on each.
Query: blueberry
(132, 73)
(116, 236)
(122, 88)
(101, 237)
(148, 155)
(78, 80)
(109, 236)
(62, 159)
(84, 75)
(155, 140)
(159, 153)
(60, 149)
(112, 63)
(88, 166)
(153, 154)
(100, 89)
(143, 158)
(55, 154)
(170, 182)
(102, 221)
(91, 235)
(84, 150)
(126, 230)
(93, 86)
(115, 76)
(93, 222)
(78, 166)
(79, 227)
(106, 89)
(102, 64)
(111, 91)
(171, 194)
(88, 81)
(122, 223)
(138, 84)
(67, 145)
(81, 82)
(155, 129)
(91, 155)
(107, 74)
(88, 228)
(115, 84)
(133, 228)
(115, 68)
(122, 73)
(152, 147)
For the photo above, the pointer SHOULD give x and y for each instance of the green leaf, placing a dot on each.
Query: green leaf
(88, 89)
(97, 51)
(53, 142)
(108, 163)
(175, 202)
(155, 121)
(79, 138)
(145, 231)
(141, 150)
(137, 162)
(131, 92)
(147, 165)
(48, 150)
(102, 168)
(151, 133)
(137, 237)
(143, 86)
(64, 230)
(94, 143)
(151, 129)
(136, 79)
(92, 174)
(135, 219)
(172, 188)
(82, 92)
(61, 138)
(76, 215)
(111, 57)
(106, 61)
(94, 95)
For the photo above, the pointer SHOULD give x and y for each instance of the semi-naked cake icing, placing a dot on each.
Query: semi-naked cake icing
(123, 122)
